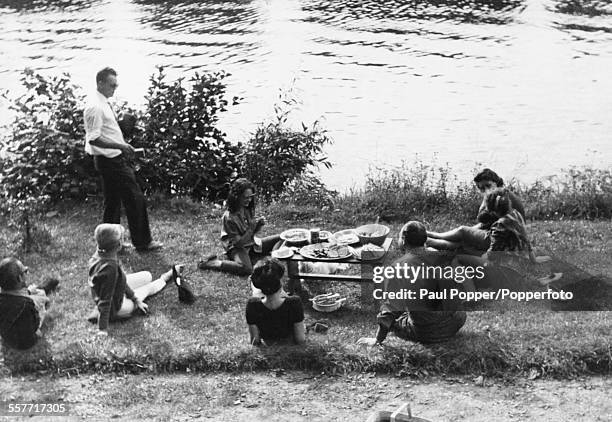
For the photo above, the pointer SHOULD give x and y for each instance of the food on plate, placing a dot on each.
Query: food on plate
(326, 251)
(282, 253)
(375, 234)
(295, 235)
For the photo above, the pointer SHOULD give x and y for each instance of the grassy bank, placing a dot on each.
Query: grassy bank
(497, 340)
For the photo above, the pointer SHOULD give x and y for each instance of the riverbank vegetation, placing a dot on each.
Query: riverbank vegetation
(186, 172)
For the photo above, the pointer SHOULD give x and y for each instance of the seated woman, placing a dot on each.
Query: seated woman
(22, 308)
(475, 238)
(239, 227)
(118, 295)
(277, 317)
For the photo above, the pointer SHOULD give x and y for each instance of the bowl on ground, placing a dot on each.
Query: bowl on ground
(372, 233)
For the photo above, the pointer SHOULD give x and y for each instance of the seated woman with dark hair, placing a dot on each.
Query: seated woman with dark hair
(475, 238)
(239, 227)
(22, 308)
(276, 317)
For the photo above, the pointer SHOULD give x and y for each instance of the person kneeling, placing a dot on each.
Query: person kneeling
(423, 320)
(277, 317)
(22, 308)
(118, 295)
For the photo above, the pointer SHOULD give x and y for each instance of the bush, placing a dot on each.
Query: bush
(277, 155)
(44, 154)
(187, 155)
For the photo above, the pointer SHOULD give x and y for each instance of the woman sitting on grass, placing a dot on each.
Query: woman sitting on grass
(277, 317)
(118, 295)
(22, 308)
(475, 238)
(239, 227)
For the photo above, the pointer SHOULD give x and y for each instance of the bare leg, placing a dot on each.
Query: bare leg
(442, 244)
(454, 235)
(143, 287)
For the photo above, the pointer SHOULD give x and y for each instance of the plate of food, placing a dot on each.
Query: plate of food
(346, 237)
(325, 251)
(282, 253)
(295, 236)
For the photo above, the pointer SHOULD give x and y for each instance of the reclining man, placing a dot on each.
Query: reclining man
(423, 320)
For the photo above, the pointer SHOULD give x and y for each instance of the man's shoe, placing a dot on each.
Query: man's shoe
(49, 285)
(93, 316)
(152, 246)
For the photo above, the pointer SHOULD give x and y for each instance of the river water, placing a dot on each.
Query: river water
(524, 87)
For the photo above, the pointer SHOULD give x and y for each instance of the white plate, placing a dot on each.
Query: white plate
(282, 253)
(346, 237)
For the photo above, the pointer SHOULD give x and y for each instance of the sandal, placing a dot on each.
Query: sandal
(185, 292)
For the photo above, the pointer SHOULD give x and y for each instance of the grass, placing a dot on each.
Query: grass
(497, 340)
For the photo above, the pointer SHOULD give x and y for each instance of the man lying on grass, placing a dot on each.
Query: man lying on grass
(22, 308)
(423, 320)
(117, 295)
(277, 318)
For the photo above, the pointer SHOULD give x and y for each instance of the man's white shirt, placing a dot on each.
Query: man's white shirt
(100, 122)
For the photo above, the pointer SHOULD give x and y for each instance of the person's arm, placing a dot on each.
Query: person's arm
(381, 335)
(104, 282)
(232, 235)
(93, 129)
(299, 332)
(255, 339)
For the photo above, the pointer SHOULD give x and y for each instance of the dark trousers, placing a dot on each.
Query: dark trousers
(120, 186)
(242, 259)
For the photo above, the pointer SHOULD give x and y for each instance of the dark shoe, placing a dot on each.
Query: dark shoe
(93, 316)
(152, 246)
(49, 285)
(184, 290)
(205, 263)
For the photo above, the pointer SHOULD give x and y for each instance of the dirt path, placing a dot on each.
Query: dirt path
(304, 397)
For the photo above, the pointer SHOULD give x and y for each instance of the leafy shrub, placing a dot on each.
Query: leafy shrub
(44, 154)
(187, 155)
(277, 155)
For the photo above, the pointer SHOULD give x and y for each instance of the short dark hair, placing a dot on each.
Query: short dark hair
(10, 271)
(267, 274)
(104, 73)
(489, 175)
(498, 201)
(413, 233)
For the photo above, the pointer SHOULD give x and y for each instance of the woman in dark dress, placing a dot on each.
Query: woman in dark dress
(277, 317)
(239, 227)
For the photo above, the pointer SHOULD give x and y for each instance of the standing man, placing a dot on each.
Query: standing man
(104, 140)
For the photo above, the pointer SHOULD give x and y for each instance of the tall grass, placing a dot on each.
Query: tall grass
(421, 191)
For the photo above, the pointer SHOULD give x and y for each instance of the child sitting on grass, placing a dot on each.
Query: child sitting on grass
(117, 295)
(277, 317)
(22, 308)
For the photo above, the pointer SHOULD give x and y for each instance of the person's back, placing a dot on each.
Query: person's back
(276, 317)
(275, 324)
(19, 320)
